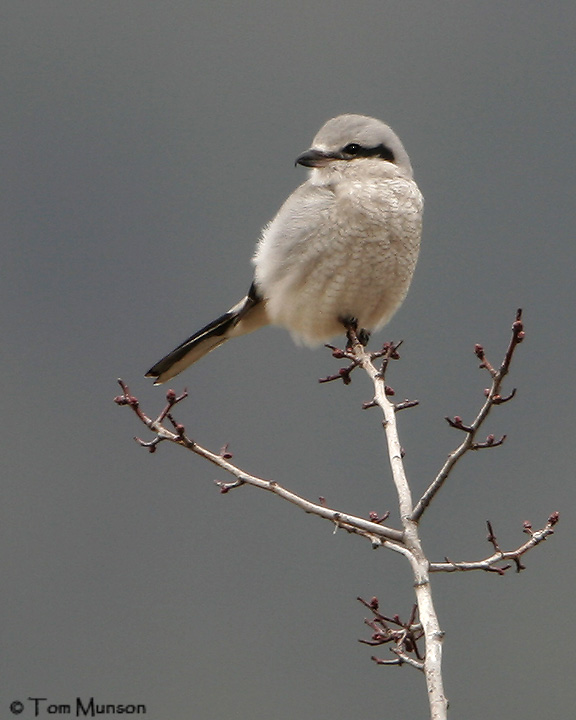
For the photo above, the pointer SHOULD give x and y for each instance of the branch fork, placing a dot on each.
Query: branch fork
(403, 638)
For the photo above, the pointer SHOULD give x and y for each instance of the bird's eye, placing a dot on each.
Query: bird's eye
(352, 149)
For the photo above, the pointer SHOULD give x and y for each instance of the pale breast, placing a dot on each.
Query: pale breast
(344, 251)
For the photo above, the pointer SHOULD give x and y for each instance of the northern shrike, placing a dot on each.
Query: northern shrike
(341, 251)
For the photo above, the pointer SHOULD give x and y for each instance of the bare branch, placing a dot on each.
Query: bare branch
(493, 397)
(490, 564)
(411, 547)
(375, 532)
(402, 637)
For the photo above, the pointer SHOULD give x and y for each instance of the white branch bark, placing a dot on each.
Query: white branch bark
(418, 561)
(405, 541)
(377, 533)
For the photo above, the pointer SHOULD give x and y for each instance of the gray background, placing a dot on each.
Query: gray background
(144, 145)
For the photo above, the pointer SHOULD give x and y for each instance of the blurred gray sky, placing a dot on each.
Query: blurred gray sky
(144, 146)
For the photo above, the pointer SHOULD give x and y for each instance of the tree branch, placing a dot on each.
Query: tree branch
(432, 664)
(490, 564)
(403, 637)
(375, 532)
(493, 397)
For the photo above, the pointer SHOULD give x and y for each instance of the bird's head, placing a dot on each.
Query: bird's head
(349, 138)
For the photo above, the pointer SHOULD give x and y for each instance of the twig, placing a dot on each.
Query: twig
(403, 637)
(489, 564)
(375, 532)
(493, 397)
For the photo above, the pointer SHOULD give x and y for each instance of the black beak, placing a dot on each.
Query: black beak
(314, 158)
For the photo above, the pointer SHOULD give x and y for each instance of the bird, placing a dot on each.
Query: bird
(339, 254)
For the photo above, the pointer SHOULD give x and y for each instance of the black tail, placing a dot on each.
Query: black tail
(203, 341)
(211, 332)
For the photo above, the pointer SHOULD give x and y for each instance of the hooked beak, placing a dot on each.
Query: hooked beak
(314, 158)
